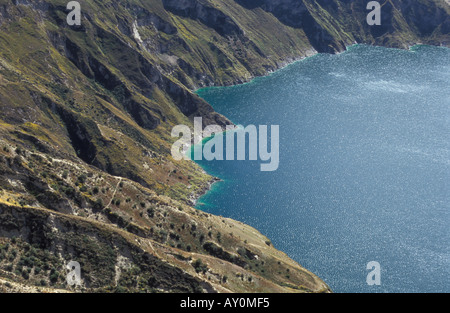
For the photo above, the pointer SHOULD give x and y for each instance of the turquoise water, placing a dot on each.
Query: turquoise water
(364, 169)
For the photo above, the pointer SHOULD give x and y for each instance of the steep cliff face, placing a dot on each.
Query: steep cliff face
(87, 112)
(330, 25)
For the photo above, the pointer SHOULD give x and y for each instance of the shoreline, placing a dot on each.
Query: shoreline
(195, 196)
(281, 65)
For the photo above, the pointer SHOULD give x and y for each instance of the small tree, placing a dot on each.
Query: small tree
(199, 266)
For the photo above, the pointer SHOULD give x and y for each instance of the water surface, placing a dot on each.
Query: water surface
(364, 169)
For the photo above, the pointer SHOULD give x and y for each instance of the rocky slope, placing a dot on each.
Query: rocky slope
(86, 116)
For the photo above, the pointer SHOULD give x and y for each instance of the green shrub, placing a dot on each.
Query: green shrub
(98, 205)
(82, 178)
(54, 278)
(83, 188)
(199, 266)
(25, 274)
(219, 237)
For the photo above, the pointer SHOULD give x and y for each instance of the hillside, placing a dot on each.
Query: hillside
(86, 117)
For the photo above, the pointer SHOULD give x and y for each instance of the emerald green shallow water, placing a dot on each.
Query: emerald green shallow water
(364, 169)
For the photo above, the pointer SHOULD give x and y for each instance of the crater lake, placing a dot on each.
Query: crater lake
(364, 166)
